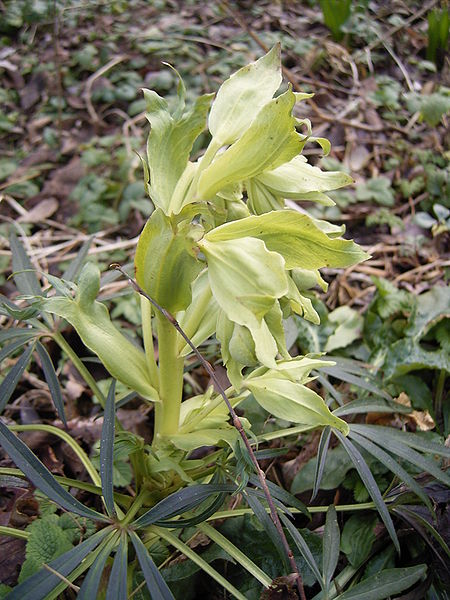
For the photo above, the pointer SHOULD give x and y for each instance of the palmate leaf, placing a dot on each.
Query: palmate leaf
(370, 484)
(156, 585)
(180, 502)
(52, 381)
(385, 584)
(117, 585)
(11, 380)
(41, 477)
(107, 451)
(39, 586)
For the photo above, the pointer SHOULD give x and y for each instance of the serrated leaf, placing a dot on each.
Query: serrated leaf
(297, 237)
(371, 486)
(13, 377)
(385, 584)
(107, 450)
(47, 541)
(156, 585)
(52, 381)
(41, 477)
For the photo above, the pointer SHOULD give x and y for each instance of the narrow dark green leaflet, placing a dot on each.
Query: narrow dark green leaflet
(371, 405)
(284, 496)
(11, 348)
(203, 515)
(24, 334)
(396, 445)
(385, 584)
(52, 381)
(74, 268)
(24, 273)
(117, 585)
(181, 501)
(387, 460)
(38, 586)
(330, 546)
(266, 521)
(419, 523)
(321, 459)
(107, 450)
(91, 582)
(41, 477)
(355, 380)
(156, 585)
(11, 380)
(410, 439)
(303, 548)
(370, 484)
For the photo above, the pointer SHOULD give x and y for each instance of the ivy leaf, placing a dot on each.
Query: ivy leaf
(378, 190)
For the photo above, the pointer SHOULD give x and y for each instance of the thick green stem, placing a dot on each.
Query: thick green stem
(146, 312)
(167, 412)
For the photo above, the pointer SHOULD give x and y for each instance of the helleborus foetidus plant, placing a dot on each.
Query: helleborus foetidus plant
(223, 253)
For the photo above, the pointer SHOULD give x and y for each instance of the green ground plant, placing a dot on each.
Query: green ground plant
(221, 257)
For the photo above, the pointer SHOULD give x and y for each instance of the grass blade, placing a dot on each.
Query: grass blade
(370, 484)
(24, 274)
(330, 544)
(107, 450)
(181, 501)
(13, 377)
(91, 583)
(117, 585)
(303, 548)
(39, 585)
(156, 585)
(385, 584)
(321, 459)
(41, 477)
(52, 381)
(387, 460)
